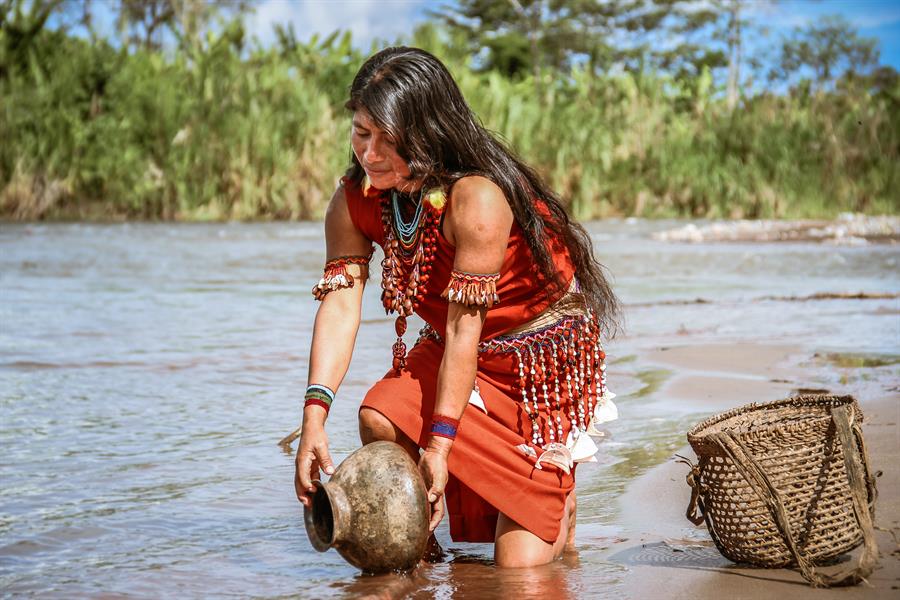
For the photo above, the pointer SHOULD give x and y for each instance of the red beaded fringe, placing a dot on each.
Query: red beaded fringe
(336, 276)
(472, 289)
(561, 371)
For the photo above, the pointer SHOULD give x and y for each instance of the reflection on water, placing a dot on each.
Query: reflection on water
(466, 576)
(147, 372)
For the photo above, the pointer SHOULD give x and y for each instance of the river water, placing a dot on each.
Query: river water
(147, 372)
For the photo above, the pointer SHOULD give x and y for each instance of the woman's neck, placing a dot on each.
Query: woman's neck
(409, 188)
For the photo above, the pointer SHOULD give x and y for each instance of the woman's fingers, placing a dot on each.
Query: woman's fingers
(309, 462)
(305, 473)
(298, 487)
(433, 467)
(437, 509)
(324, 459)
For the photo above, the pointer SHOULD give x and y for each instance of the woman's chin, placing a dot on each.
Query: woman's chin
(382, 182)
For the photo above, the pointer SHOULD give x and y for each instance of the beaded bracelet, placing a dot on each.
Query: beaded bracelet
(444, 427)
(319, 395)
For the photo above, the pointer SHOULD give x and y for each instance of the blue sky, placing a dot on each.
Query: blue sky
(388, 19)
(368, 19)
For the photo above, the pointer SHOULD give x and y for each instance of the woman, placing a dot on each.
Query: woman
(500, 389)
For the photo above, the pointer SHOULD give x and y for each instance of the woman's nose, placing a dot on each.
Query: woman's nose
(373, 152)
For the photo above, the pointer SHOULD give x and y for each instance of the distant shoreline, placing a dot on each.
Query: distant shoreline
(847, 229)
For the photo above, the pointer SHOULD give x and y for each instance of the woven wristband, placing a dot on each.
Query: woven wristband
(444, 427)
(319, 395)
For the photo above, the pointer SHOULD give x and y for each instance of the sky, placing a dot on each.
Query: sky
(369, 20)
(388, 19)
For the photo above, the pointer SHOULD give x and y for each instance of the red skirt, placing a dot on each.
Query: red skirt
(489, 474)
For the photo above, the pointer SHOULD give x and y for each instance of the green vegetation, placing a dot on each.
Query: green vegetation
(850, 360)
(211, 126)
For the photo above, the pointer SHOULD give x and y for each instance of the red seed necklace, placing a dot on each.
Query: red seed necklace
(409, 249)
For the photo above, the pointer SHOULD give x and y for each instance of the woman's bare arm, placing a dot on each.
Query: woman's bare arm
(334, 335)
(479, 224)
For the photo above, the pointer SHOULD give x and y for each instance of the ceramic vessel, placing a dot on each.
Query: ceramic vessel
(373, 510)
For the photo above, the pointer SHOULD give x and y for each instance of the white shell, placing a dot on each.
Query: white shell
(477, 401)
(604, 412)
(582, 447)
(527, 450)
(556, 454)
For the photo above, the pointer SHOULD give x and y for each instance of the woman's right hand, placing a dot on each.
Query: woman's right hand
(312, 455)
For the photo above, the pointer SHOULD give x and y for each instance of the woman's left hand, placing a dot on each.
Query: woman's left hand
(433, 466)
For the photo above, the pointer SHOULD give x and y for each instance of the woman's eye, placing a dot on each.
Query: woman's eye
(362, 134)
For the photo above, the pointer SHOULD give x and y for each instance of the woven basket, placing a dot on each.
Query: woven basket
(786, 483)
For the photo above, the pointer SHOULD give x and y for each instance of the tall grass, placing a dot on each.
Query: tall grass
(220, 131)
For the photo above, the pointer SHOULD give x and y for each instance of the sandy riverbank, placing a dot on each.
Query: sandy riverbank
(664, 556)
(847, 230)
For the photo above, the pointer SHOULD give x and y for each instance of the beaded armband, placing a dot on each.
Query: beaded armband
(318, 395)
(444, 427)
(336, 275)
(472, 289)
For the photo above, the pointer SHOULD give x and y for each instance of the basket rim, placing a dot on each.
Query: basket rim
(698, 433)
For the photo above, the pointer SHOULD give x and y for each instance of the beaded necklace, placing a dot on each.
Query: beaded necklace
(407, 233)
(409, 249)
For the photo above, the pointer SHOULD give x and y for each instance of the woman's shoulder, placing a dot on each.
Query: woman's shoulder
(363, 211)
(475, 196)
(478, 208)
(477, 188)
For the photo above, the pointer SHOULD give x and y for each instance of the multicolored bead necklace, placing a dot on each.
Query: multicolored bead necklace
(407, 233)
(409, 249)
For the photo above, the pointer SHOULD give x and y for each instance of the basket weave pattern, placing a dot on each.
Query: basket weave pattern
(794, 443)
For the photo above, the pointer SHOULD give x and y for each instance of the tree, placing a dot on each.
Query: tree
(20, 25)
(143, 21)
(827, 49)
(522, 37)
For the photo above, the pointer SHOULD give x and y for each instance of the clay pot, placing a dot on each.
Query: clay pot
(373, 510)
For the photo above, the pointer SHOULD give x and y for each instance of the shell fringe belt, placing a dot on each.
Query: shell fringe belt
(562, 371)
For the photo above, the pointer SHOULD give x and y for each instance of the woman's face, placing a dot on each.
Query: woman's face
(376, 151)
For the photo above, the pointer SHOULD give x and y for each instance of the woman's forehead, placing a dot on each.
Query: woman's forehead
(362, 118)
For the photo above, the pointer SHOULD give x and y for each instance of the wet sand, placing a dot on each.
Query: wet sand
(664, 556)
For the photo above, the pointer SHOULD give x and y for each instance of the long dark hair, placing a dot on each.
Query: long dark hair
(412, 96)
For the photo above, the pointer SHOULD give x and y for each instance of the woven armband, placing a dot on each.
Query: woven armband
(444, 427)
(336, 275)
(472, 289)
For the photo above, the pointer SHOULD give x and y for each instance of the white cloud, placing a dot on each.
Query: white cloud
(861, 15)
(366, 19)
(874, 21)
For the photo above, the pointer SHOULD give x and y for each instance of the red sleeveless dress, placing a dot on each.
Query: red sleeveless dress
(489, 473)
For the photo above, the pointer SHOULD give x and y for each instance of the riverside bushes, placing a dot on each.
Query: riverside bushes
(223, 130)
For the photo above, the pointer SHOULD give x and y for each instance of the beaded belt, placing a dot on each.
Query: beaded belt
(561, 371)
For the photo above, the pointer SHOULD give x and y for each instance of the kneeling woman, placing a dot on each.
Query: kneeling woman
(501, 387)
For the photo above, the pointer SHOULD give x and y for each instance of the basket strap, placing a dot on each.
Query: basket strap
(762, 485)
(862, 487)
(695, 509)
(869, 475)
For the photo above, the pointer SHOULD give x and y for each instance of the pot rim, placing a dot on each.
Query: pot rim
(308, 519)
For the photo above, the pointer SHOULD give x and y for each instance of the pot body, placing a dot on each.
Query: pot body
(373, 510)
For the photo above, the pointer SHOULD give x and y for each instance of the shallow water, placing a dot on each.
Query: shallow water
(147, 372)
